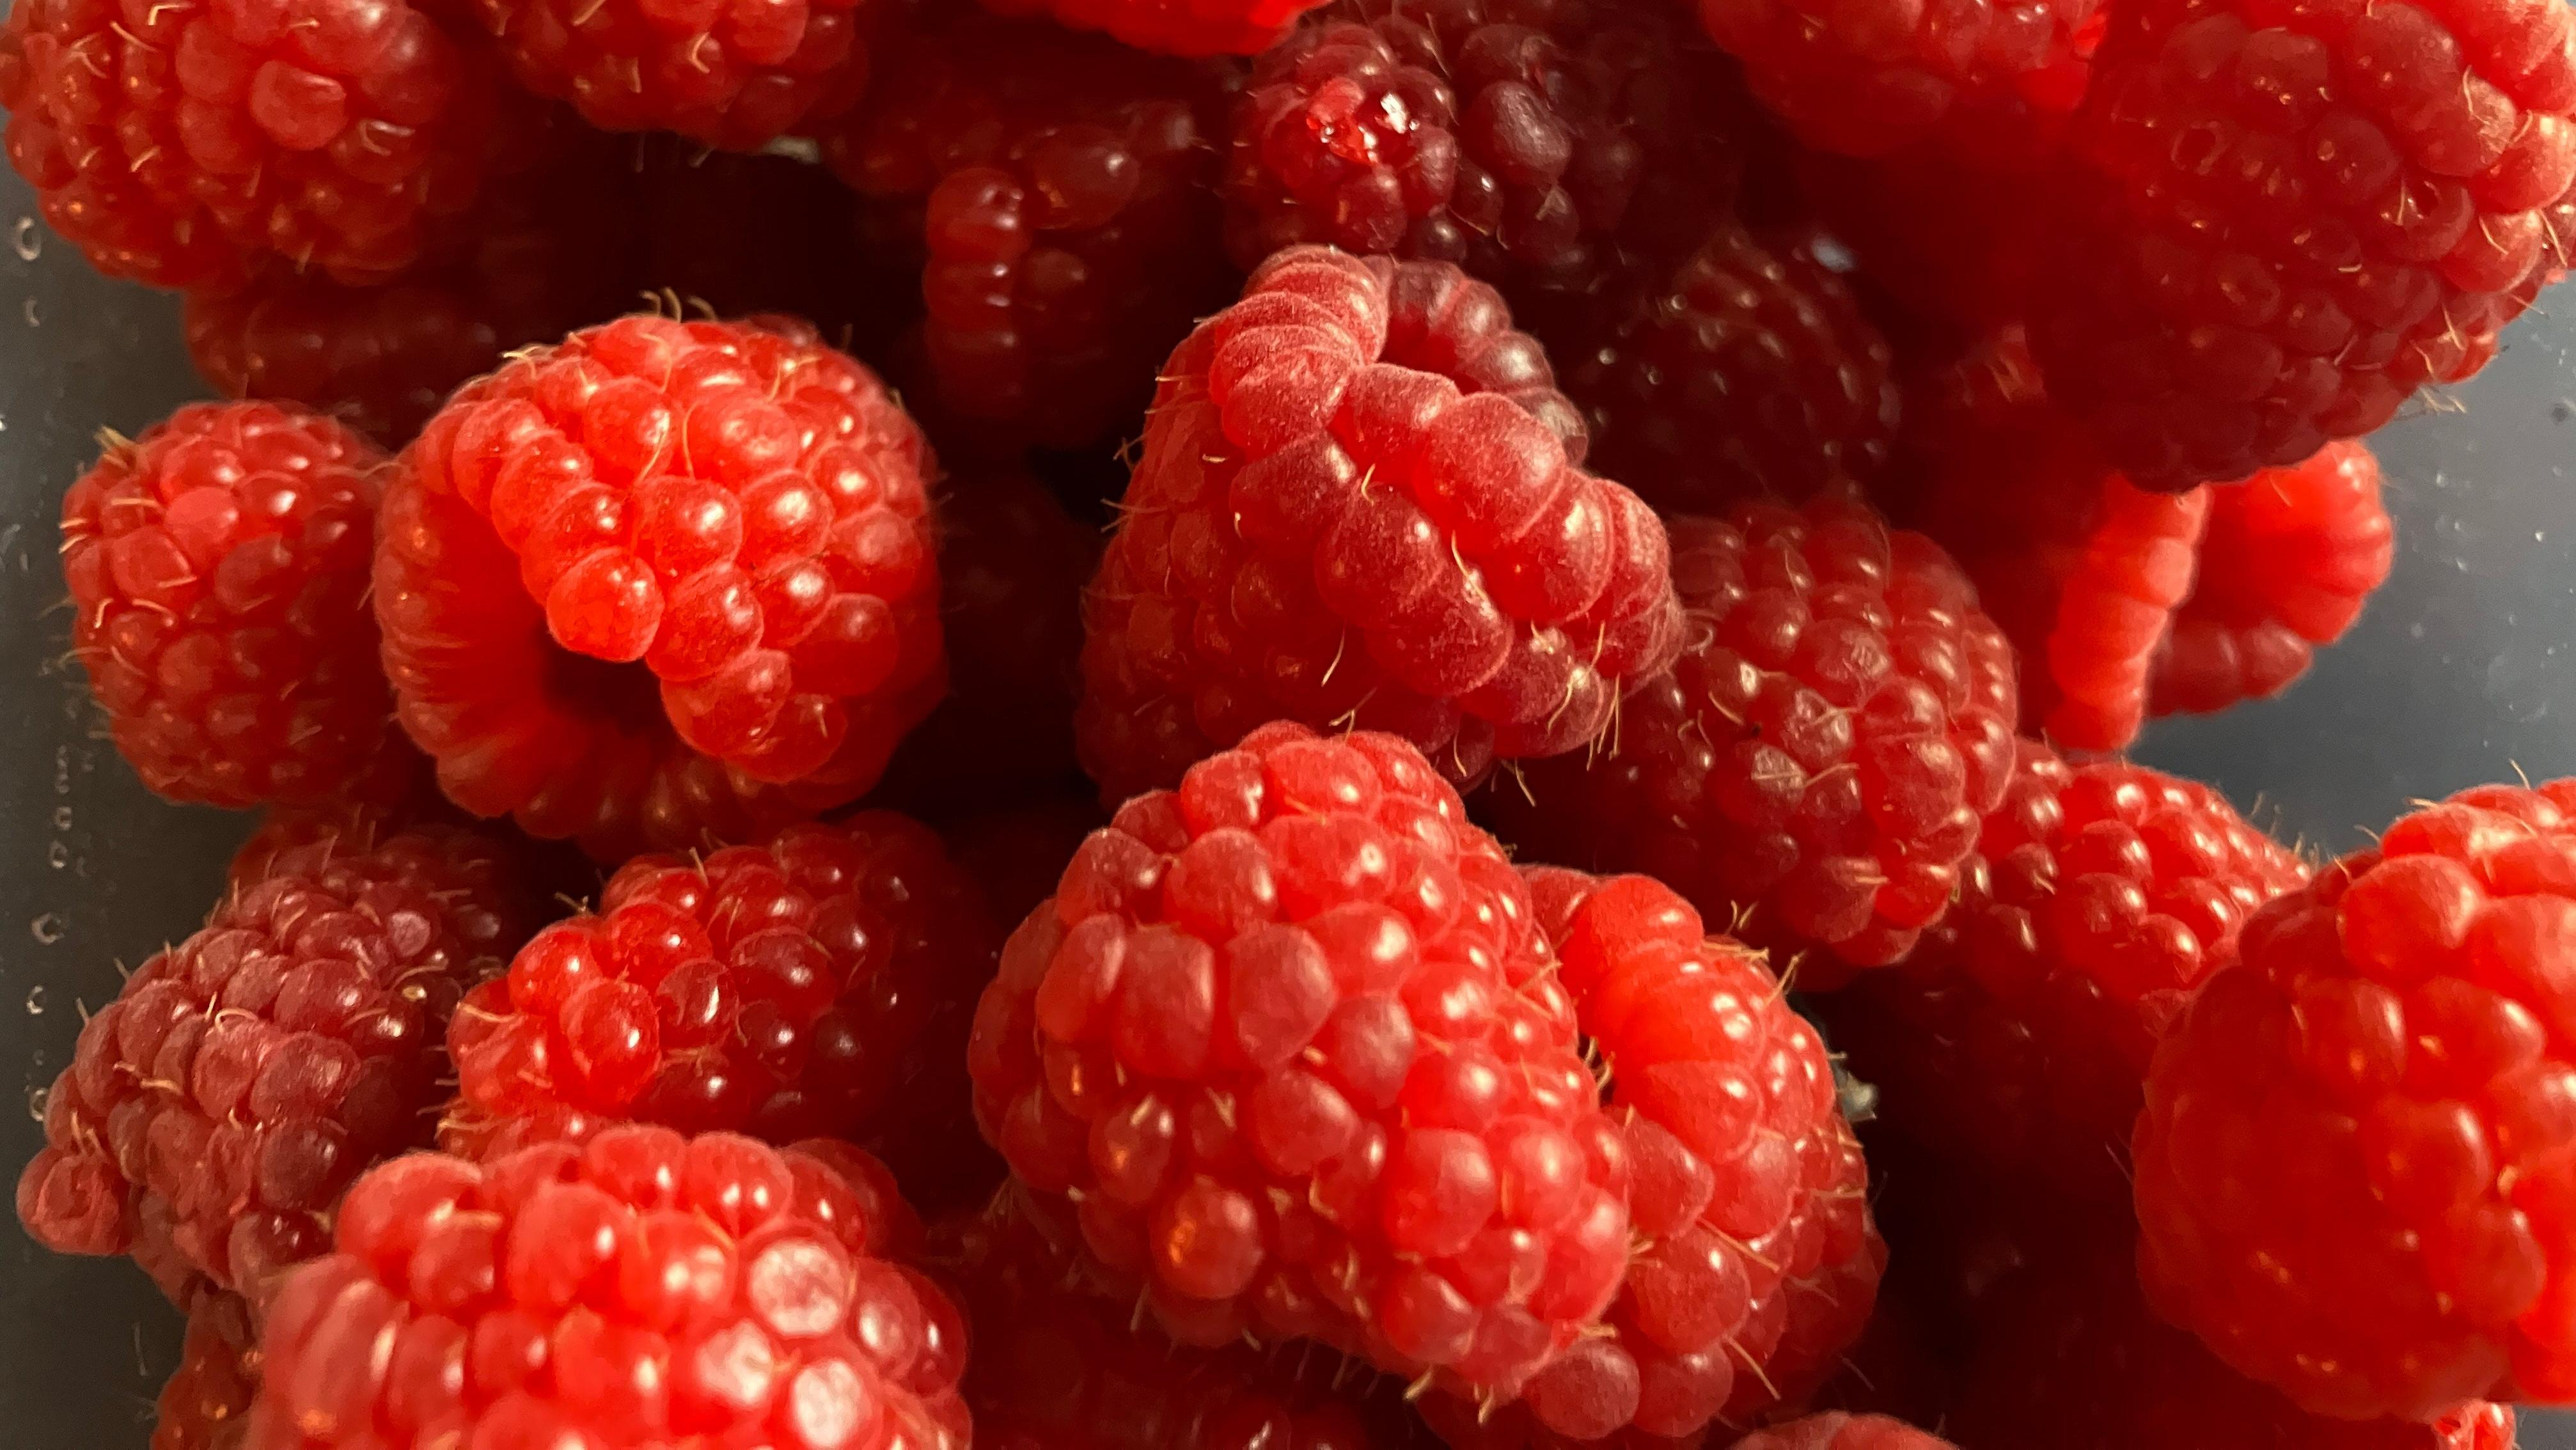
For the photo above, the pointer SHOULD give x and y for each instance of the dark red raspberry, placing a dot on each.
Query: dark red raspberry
(1360, 501)
(1530, 142)
(1288, 1045)
(1757, 1263)
(2289, 219)
(1837, 1431)
(816, 986)
(218, 574)
(2288, 558)
(1749, 371)
(1953, 242)
(1056, 188)
(170, 141)
(662, 580)
(2016, 1034)
(1813, 769)
(645, 1289)
(2353, 1176)
(215, 1110)
(1171, 27)
(205, 1401)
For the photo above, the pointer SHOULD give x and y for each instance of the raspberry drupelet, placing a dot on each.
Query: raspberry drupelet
(643, 1290)
(817, 985)
(662, 581)
(2015, 1036)
(215, 1110)
(204, 1404)
(2288, 219)
(1814, 767)
(1360, 500)
(1287, 1046)
(2287, 561)
(1170, 27)
(2353, 1172)
(170, 142)
(218, 575)
(1837, 1431)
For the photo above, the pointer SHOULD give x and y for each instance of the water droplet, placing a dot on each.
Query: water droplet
(29, 242)
(57, 855)
(36, 1000)
(30, 310)
(36, 1100)
(62, 818)
(47, 929)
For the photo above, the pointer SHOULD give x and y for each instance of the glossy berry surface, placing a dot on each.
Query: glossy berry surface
(2352, 1177)
(817, 985)
(662, 580)
(2287, 561)
(1361, 501)
(1813, 769)
(2288, 219)
(205, 1402)
(2015, 1037)
(646, 1290)
(1834, 1430)
(218, 575)
(1287, 1047)
(1170, 27)
(215, 1110)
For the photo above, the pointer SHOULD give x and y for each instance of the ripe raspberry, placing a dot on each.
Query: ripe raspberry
(169, 142)
(218, 574)
(1056, 189)
(1749, 371)
(1287, 1044)
(214, 1111)
(1837, 1431)
(2288, 220)
(203, 1405)
(2288, 558)
(1171, 27)
(2352, 1176)
(645, 1290)
(2016, 1034)
(1360, 500)
(1814, 768)
(733, 507)
(819, 985)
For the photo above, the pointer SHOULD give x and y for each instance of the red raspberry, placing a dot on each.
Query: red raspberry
(218, 574)
(818, 985)
(1360, 500)
(169, 141)
(733, 507)
(214, 1111)
(204, 1402)
(2352, 1176)
(644, 1290)
(1814, 768)
(1749, 371)
(1758, 1262)
(2016, 1034)
(1288, 1045)
(2289, 219)
(2288, 558)
(1838, 1431)
(1056, 189)
(1171, 27)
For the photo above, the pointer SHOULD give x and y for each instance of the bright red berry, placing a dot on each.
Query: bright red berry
(645, 1289)
(662, 580)
(1360, 500)
(204, 1403)
(2287, 220)
(1813, 769)
(215, 1110)
(1170, 27)
(2285, 564)
(1838, 1431)
(1287, 1045)
(2353, 1174)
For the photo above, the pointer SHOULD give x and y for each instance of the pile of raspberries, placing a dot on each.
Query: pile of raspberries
(1236, 725)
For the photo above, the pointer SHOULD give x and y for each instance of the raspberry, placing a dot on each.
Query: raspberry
(1530, 143)
(1171, 27)
(168, 142)
(214, 1111)
(1287, 1045)
(643, 1290)
(202, 1406)
(1749, 371)
(2351, 1174)
(733, 507)
(2287, 220)
(1759, 1262)
(1814, 767)
(2288, 558)
(2016, 1034)
(1056, 189)
(1837, 1431)
(218, 574)
(818, 985)
(1359, 501)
